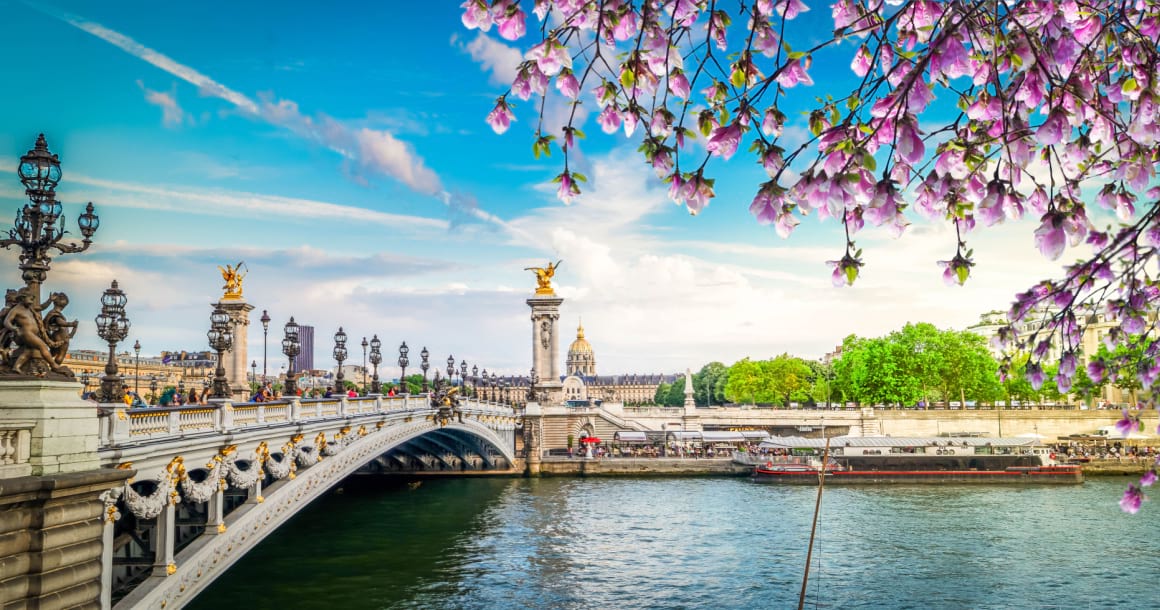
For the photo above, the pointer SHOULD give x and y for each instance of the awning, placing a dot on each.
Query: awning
(755, 434)
(630, 436)
(590, 439)
(722, 436)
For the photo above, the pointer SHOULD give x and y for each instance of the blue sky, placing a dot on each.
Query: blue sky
(342, 154)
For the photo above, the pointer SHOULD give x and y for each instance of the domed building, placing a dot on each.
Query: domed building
(581, 359)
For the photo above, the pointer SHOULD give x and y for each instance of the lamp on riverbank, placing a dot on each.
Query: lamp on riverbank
(291, 347)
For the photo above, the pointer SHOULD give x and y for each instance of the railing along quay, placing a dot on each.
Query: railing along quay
(120, 425)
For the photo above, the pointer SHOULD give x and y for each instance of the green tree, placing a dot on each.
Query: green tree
(787, 378)
(662, 393)
(709, 383)
(746, 382)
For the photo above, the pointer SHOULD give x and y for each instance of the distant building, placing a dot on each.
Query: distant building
(582, 382)
(304, 361)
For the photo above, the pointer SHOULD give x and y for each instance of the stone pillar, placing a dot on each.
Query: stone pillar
(546, 346)
(164, 534)
(214, 513)
(691, 421)
(64, 428)
(533, 438)
(237, 361)
(54, 530)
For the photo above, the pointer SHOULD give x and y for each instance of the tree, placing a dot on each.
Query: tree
(709, 383)
(1022, 104)
(788, 378)
(746, 382)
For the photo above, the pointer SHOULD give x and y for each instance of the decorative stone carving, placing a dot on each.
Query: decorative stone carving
(149, 506)
(29, 346)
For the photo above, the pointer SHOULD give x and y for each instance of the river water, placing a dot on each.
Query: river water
(701, 543)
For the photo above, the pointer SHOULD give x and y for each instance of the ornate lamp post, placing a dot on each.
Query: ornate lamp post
(85, 380)
(451, 370)
(153, 388)
(424, 354)
(112, 327)
(532, 385)
(376, 358)
(254, 371)
(37, 234)
(265, 319)
(181, 386)
(340, 355)
(463, 374)
(221, 339)
(403, 362)
(291, 347)
(364, 367)
(475, 376)
(137, 368)
(495, 387)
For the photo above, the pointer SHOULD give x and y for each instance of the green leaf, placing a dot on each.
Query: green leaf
(627, 78)
(962, 273)
(868, 162)
(851, 274)
(578, 177)
(1129, 85)
(737, 78)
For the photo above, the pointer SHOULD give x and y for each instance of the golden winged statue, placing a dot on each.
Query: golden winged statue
(233, 274)
(544, 278)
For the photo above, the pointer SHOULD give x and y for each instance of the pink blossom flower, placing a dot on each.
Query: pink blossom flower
(1096, 369)
(630, 121)
(626, 25)
(1148, 479)
(786, 222)
(684, 11)
(772, 161)
(986, 108)
(567, 84)
(679, 84)
(794, 73)
(568, 188)
(909, 145)
(845, 270)
(723, 140)
(1132, 499)
(1062, 383)
(1054, 129)
(791, 8)
(677, 188)
(550, 56)
(767, 203)
(1035, 375)
(500, 117)
(957, 270)
(510, 19)
(609, 119)
(764, 39)
(697, 193)
(1128, 424)
(476, 15)
(662, 163)
(1050, 237)
(772, 122)
(862, 61)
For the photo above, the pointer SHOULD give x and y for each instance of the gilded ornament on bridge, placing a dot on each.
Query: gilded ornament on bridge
(544, 278)
(232, 275)
(445, 398)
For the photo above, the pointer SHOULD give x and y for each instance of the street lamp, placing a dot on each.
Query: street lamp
(291, 347)
(340, 355)
(137, 368)
(221, 339)
(463, 374)
(36, 235)
(112, 327)
(364, 367)
(265, 319)
(475, 376)
(403, 362)
(376, 358)
(451, 370)
(254, 371)
(153, 388)
(424, 354)
(85, 381)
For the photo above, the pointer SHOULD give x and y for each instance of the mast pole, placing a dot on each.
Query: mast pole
(814, 527)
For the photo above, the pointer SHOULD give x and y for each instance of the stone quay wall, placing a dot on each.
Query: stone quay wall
(588, 467)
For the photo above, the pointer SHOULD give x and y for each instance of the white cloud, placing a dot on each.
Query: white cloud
(171, 114)
(493, 56)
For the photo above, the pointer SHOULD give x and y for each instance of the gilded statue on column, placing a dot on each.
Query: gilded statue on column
(232, 275)
(33, 344)
(544, 278)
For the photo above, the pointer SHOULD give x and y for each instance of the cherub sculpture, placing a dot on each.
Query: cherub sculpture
(544, 277)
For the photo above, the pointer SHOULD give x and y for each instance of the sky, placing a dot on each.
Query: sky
(344, 157)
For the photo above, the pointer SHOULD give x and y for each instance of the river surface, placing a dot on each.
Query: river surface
(701, 543)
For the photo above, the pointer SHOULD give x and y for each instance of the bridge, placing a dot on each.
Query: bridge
(213, 481)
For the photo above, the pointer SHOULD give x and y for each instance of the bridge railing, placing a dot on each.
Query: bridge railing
(120, 425)
(15, 446)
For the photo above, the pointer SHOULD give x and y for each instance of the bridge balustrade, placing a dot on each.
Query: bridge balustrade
(15, 445)
(119, 425)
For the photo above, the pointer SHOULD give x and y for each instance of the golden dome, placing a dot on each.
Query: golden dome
(580, 345)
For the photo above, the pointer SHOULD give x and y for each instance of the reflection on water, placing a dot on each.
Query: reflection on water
(682, 543)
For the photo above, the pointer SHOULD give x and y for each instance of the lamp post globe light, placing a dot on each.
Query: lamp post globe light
(463, 373)
(153, 389)
(475, 376)
(424, 354)
(364, 366)
(254, 371)
(40, 348)
(221, 339)
(137, 367)
(450, 369)
(291, 347)
(376, 359)
(340, 356)
(112, 327)
(265, 319)
(403, 362)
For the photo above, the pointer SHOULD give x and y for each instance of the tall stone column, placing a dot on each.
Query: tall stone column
(237, 360)
(546, 346)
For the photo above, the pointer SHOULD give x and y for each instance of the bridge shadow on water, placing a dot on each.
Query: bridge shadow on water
(369, 542)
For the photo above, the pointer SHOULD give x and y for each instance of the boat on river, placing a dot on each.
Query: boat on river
(884, 459)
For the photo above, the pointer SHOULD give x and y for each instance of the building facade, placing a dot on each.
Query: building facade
(304, 361)
(582, 383)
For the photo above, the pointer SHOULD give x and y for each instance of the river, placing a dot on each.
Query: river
(701, 543)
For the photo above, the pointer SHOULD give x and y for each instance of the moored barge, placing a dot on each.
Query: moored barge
(879, 460)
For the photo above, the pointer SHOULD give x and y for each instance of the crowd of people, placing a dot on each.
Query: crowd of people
(1081, 452)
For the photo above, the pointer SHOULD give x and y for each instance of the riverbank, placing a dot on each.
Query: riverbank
(683, 467)
(1114, 468)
